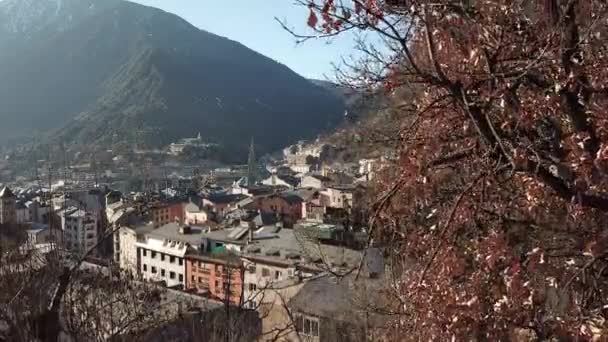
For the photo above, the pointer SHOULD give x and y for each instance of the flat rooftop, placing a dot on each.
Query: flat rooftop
(171, 231)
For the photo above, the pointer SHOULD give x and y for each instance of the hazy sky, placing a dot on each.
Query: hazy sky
(252, 23)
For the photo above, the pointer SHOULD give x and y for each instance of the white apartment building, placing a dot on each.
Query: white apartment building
(79, 229)
(125, 247)
(161, 253)
(194, 215)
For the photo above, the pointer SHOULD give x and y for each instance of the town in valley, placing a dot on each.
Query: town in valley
(261, 238)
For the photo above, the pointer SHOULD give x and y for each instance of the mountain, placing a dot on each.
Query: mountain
(346, 94)
(99, 72)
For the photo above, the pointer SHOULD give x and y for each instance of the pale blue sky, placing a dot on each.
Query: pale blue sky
(251, 22)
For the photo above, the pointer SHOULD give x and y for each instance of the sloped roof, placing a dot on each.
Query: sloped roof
(306, 194)
(6, 193)
(291, 198)
(192, 208)
(321, 178)
(291, 180)
(344, 300)
(223, 198)
(116, 205)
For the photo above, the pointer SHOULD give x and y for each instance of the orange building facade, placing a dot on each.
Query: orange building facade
(215, 277)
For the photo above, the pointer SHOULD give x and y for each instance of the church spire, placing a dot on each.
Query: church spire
(251, 166)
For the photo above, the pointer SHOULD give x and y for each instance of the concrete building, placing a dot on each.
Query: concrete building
(222, 203)
(288, 206)
(22, 213)
(301, 168)
(125, 248)
(194, 215)
(79, 229)
(313, 205)
(38, 212)
(338, 197)
(277, 255)
(273, 311)
(289, 182)
(161, 253)
(367, 167)
(8, 212)
(315, 181)
(218, 276)
(181, 146)
(327, 309)
(167, 212)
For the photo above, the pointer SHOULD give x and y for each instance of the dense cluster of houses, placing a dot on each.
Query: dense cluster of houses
(259, 241)
(274, 238)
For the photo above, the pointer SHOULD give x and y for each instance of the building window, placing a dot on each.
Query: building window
(162, 272)
(162, 257)
(143, 252)
(193, 278)
(172, 275)
(181, 277)
(153, 255)
(277, 274)
(181, 261)
(251, 269)
(172, 259)
(253, 287)
(265, 272)
(153, 269)
(145, 268)
(218, 268)
(200, 279)
(217, 284)
(307, 326)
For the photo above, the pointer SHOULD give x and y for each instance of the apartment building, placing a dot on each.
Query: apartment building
(219, 277)
(79, 229)
(162, 251)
